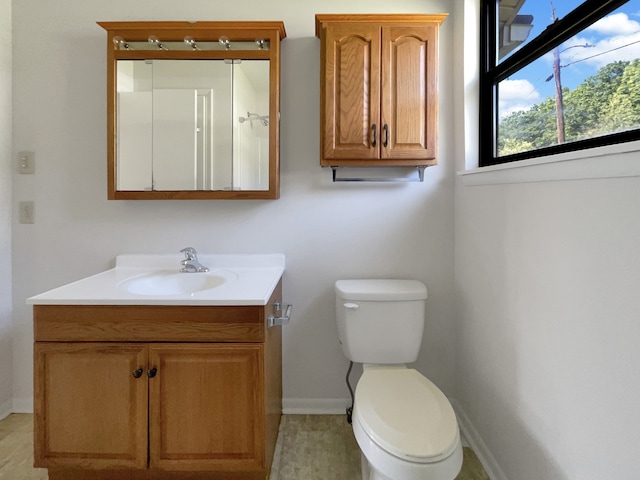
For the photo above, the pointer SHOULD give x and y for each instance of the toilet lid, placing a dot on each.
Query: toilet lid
(406, 415)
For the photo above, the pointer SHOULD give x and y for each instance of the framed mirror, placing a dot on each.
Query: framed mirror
(193, 110)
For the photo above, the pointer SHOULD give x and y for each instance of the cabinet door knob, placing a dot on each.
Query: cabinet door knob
(152, 373)
(137, 373)
(385, 130)
(374, 143)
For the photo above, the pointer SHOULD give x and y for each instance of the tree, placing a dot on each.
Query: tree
(603, 103)
(585, 105)
(623, 109)
(535, 127)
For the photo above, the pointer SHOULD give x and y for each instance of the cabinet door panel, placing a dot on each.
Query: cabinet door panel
(90, 411)
(206, 407)
(409, 86)
(351, 91)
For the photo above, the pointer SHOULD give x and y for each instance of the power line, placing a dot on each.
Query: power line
(601, 53)
(540, 82)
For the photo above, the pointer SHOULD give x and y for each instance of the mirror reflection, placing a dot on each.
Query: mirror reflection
(192, 125)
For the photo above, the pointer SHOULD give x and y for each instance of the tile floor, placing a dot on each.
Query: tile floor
(16, 449)
(310, 447)
(322, 447)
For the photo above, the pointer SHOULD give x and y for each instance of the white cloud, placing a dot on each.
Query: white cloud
(620, 40)
(616, 24)
(516, 95)
(613, 38)
(617, 48)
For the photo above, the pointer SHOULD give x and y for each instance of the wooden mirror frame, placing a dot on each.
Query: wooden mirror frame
(271, 31)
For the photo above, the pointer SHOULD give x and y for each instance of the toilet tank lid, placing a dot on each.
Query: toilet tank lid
(381, 289)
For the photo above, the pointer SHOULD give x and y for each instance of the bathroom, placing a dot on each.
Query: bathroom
(532, 315)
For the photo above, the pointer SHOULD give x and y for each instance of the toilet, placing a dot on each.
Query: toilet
(404, 425)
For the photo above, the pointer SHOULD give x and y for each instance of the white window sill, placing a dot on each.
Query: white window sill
(622, 160)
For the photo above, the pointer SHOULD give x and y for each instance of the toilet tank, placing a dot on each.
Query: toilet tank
(380, 320)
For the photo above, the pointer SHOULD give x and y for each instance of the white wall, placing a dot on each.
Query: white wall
(546, 273)
(327, 231)
(547, 284)
(5, 208)
(548, 323)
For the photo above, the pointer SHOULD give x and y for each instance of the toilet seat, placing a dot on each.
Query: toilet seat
(406, 415)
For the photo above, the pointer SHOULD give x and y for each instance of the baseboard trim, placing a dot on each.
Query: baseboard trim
(5, 409)
(477, 443)
(22, 405)
(313, 406)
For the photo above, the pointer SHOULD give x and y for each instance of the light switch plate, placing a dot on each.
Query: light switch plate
(26, 162)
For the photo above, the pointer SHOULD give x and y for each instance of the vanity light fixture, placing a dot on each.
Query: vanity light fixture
(121, 42)
(155, 41)
(225, 41)
(191, 42)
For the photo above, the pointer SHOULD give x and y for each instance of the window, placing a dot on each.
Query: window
(557, 76)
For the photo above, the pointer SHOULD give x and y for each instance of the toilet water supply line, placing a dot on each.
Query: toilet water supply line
(350, 409)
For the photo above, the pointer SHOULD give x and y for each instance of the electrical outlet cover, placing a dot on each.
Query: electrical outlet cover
(26, 212)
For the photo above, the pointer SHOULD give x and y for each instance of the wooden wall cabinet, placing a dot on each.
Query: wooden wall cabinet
(156, 392)
(378, 97)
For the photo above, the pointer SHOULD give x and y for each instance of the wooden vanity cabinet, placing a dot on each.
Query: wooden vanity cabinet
(88, 411)
(378, 89)
(207, 405)
(202, 409)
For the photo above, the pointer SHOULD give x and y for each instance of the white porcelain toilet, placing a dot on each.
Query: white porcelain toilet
(404, 425)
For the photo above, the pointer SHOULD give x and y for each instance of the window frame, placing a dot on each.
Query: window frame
(492, 73)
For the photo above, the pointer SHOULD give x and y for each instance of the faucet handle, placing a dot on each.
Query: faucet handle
(190, 253)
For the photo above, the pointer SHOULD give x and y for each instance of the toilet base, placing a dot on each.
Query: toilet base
(368, 473)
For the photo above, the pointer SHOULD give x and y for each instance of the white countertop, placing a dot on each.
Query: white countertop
(250, 279)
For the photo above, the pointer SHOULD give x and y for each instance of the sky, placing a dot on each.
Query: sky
(614, 37)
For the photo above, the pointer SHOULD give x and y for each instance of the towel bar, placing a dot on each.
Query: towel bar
(419, 178)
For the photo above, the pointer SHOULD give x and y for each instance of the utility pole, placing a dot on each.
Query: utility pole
(556, 76)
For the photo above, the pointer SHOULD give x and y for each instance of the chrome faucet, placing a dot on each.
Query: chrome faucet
(190, 262)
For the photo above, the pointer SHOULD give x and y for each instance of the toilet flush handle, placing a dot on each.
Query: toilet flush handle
(351, 306)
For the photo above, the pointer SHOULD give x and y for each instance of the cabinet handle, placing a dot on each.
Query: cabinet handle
(385, 129)
(137, 373)
(374, 127)
(152, 373)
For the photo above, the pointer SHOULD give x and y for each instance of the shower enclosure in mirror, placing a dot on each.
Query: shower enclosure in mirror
(193, 110)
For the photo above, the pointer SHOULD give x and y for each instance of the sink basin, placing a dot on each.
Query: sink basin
(170, 282)
(155, 279)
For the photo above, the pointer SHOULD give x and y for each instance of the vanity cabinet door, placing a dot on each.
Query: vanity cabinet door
(90, 406)
(206, 407)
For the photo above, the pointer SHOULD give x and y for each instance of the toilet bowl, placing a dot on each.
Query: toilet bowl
(404, 425)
